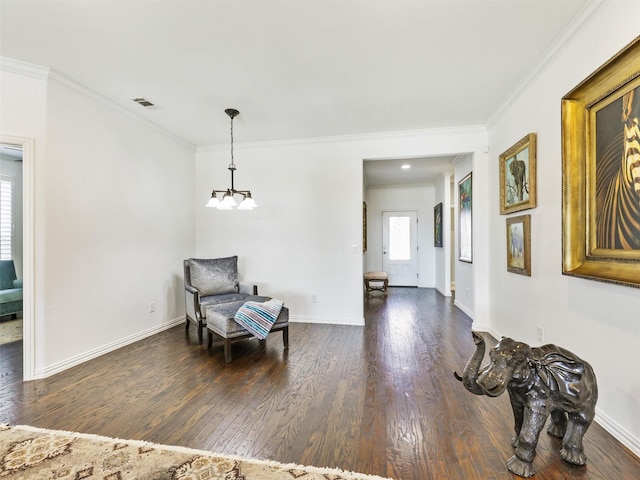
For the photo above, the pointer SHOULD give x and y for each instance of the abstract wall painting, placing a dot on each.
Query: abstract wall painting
(465, 219)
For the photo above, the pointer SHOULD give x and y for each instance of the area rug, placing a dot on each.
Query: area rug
(10, 331)
(35, 453)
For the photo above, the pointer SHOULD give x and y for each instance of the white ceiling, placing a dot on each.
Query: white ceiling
(420, 171)
(294, 69)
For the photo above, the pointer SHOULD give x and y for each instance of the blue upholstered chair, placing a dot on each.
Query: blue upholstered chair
(10, 289)
(210, 282)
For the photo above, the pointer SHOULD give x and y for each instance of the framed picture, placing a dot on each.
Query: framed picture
(519, 244)
(601, 173)
(518, 176)
(465, 219)
(364, 227)
(437, 225)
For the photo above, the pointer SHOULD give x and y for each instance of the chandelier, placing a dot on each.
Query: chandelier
(228, 202)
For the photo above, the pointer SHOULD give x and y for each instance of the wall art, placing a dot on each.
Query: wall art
(519, 244)
(518, 176)
(601, 172)
(465, 219)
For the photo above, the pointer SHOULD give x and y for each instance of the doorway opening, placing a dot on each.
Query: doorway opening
(11, 257)
(17, 161)
(400, 248)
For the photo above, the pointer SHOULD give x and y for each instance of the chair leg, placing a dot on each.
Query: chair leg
(186, 327)
(285, 337)
(227, 350)
(209, 339)
(200, 328)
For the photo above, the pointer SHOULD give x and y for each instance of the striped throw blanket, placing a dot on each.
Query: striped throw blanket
(259, 317)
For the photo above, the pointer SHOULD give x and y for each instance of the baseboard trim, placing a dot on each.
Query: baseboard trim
(110, 347)
(464, 309)
(618, 432)
(327, 320)
(443, 292)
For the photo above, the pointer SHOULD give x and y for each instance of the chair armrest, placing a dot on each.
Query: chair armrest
(17, 283)
(248, 288)
(192, 302)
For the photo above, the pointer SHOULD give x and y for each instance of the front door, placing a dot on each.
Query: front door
(400, 248)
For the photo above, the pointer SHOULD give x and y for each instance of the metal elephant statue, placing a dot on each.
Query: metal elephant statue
(543, 381)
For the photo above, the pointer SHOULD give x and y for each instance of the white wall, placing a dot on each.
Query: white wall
(443, 254)
(597, 321)
(298, 242)
(418, 198)
(464, 271)
(113, 203)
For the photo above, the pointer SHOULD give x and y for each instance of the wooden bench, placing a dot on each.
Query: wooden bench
(377, 278)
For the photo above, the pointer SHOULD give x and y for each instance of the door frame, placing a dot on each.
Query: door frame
(28, 271)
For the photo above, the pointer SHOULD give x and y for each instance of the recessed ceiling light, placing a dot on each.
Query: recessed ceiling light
(406, 166)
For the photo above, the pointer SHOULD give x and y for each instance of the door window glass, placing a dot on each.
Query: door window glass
(399, 238)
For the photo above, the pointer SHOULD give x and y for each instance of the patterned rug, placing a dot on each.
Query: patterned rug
(10, 331)
(35, 453)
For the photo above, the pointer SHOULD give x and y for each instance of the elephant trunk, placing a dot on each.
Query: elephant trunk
(471, 370)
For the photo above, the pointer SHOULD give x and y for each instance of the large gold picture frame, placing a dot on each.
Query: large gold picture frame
(601, 172)
(518, 176)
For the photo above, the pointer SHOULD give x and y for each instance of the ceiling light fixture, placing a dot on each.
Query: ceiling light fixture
(406, 166)
(228, 202)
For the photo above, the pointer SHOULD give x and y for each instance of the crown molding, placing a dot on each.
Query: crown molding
(23, 68)
(92, 94)
(364, 137)
(44, 73)
(559, 45)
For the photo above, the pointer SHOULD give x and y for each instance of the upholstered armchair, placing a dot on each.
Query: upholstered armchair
(10, 289)
(210, 282)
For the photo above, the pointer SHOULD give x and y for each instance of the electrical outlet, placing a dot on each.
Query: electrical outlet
(540, 334)
(152, 307)
(314, 298)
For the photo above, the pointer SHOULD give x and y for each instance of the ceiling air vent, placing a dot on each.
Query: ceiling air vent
(144, 102)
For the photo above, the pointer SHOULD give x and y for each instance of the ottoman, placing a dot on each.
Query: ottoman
(378, 277)
(220, 323)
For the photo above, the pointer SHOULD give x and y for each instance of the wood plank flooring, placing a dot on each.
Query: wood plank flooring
(380, 399)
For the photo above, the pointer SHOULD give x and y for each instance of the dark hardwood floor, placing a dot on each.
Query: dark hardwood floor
(380, 399)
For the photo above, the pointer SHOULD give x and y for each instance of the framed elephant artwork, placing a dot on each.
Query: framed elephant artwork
(601, 173)
(519, 244)
(518, 176)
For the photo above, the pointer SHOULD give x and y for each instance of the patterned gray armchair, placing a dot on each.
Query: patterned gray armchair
(211, 282)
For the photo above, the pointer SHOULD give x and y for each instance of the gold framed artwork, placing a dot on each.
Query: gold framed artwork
(601, 172)
(519, 244)
(518, 176)
(465, 219)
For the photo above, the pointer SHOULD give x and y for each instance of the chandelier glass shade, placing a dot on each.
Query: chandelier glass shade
(224, 199)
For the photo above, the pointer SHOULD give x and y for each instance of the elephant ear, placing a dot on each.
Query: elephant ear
(560, 371)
